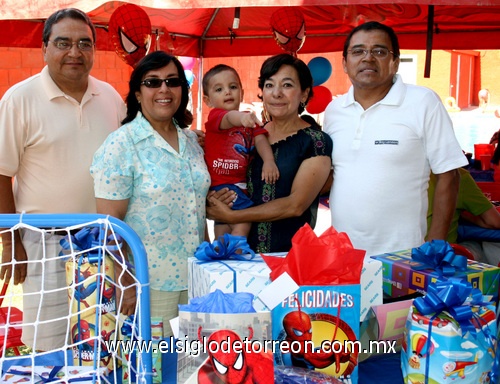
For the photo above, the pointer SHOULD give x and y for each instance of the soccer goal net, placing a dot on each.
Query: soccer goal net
(79, 319)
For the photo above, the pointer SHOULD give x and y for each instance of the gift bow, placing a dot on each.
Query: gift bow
(451, 296)
(87, 239)
(440, 256)
(225, 248)
(126, 329)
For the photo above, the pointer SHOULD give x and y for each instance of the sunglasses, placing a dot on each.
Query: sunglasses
(172, 82)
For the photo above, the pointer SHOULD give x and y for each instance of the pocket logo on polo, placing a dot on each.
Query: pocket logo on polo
(386, 142)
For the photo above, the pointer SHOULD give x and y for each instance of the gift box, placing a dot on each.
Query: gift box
(402, 276)
(45, 374)
(384, 323)
(450, 336)
(229, 276)
(371, 286)
(252, 276)
(449, 361)
(227, 264)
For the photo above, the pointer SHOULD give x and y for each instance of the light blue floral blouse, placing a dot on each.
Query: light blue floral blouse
(166, 191)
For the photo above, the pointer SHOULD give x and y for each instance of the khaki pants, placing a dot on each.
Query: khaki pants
(165, 305)
(47, 274)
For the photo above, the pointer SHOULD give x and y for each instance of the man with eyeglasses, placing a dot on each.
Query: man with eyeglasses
(50, 126)
(387, 137)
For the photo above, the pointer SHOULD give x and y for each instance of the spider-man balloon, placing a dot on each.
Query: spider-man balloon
(289, 29)
(130, 31)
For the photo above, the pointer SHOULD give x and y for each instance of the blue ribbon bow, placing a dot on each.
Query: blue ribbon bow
(439, 256)
(126, 328)
(225, 248)
(451, 296)
(84, 240)
(88, 239)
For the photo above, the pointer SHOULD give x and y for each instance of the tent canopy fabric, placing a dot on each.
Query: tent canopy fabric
(204, 28)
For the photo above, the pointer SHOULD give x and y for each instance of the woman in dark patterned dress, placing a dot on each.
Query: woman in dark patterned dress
(302, 153)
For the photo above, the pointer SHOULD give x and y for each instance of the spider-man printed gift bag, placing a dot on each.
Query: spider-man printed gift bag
(316, 326)
(222, 340)
(89, 277)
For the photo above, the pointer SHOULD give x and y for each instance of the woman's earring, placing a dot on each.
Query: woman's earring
(265, 114)
(302, 104)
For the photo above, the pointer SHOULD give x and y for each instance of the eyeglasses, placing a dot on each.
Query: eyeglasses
(66, 45)
(379, 53)
(171, 82)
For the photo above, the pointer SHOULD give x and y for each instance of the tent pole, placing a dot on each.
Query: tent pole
(199, 110)
(428, 47)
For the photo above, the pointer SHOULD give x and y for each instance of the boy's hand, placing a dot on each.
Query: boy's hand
(270, 172)
(250, 119)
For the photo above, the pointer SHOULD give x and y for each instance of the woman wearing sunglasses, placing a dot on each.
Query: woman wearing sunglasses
(151, 173)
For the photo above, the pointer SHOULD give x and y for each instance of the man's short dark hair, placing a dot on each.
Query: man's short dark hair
(71, 13)
(374, 26)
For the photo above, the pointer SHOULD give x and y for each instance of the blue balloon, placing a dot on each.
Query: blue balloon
(321, 70)
(189, 76)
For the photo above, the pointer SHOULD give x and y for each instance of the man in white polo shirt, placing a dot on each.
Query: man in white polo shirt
(50, 126)
(387, 137)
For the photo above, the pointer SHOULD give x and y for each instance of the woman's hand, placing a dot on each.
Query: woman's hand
(218, 211)
(219, 204)
(224, 195)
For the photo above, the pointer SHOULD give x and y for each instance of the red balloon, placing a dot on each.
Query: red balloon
(289, 28)
(130, 31)
(320, 100)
